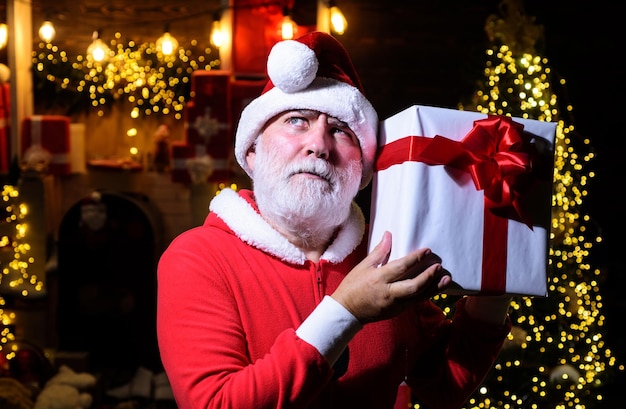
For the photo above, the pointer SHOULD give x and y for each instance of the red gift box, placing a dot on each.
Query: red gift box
(52, 133)
(211, 87)
(206, 126)
(242, 93)
(214, 132)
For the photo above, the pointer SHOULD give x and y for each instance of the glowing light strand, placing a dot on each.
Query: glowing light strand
(154, 83)
(15, 279)
(14, 248)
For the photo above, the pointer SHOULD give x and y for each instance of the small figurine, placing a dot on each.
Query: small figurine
(162, 148)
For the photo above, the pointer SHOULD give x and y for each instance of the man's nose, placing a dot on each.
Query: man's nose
(317, 142)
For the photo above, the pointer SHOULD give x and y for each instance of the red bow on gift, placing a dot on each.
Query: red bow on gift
(494, 153)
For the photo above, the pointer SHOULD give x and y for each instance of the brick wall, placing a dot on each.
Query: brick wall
(169, 201)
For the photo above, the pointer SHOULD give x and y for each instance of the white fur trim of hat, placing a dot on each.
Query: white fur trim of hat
(312, 72)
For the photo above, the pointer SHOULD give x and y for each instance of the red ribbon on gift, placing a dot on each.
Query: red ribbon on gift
(495, 154)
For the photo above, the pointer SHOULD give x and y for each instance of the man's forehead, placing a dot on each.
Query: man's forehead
(312, 113)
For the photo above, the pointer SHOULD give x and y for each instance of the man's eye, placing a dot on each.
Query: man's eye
(344, 134)
(295, 120)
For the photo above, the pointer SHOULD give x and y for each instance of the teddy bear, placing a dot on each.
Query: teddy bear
(66, 390)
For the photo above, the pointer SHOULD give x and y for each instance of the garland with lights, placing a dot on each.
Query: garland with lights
(14, 260)
(154, 83)
(15, 279)
(555, 355)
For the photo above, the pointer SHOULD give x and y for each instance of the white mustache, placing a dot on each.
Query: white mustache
(318, 168)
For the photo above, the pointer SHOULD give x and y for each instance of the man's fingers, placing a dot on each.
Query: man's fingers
(380, 254)
(431, 281)
(411, 265)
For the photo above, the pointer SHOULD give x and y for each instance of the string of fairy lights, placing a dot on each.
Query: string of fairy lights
(15, 277)
(154, 77)
(14, 247)
(151, 81)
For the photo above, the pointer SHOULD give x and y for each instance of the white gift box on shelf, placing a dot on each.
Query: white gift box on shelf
(78, 161)
(474, 188)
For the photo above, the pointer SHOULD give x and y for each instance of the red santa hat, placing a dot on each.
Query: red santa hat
(311, 72)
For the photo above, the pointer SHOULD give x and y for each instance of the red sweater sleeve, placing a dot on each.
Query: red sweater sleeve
(460, 354)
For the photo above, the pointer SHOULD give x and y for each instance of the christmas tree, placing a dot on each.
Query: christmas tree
(556, 355)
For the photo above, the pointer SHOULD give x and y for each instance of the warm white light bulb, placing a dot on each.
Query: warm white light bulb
(98, 53)
(4, 35)
(218, 36)
(167, 44)
(288, 28)
(47, 31)
(98, 50)
(337, 20)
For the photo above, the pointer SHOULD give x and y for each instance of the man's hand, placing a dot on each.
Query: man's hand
(377, 289)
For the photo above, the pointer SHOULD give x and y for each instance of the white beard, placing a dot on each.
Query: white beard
(308, 208)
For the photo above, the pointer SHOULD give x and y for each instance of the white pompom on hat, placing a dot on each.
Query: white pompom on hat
(311, 72)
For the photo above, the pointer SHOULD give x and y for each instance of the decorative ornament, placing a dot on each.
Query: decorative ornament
(200, 168)
(162, 148)
(36, 158)
(93, 212)
(138, 74)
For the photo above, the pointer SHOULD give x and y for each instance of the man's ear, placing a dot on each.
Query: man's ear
(250, 157)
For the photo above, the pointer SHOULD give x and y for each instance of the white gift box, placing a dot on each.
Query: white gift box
(78, 161)
(475, 189)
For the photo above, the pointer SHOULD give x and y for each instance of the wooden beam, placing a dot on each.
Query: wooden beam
(19, 17)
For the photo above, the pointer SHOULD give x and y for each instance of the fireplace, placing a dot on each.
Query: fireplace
(108, 247)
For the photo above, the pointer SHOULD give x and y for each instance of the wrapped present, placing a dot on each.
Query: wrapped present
(214, 132)
(52, 134)
(211, 87)
(476, 189)
(242, 93)
(181, 153)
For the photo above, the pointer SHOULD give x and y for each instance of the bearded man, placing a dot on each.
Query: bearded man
(274, 302)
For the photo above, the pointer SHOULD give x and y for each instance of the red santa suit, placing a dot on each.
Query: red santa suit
(245, 321)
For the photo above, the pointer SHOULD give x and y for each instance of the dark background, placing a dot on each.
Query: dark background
(432, 53)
